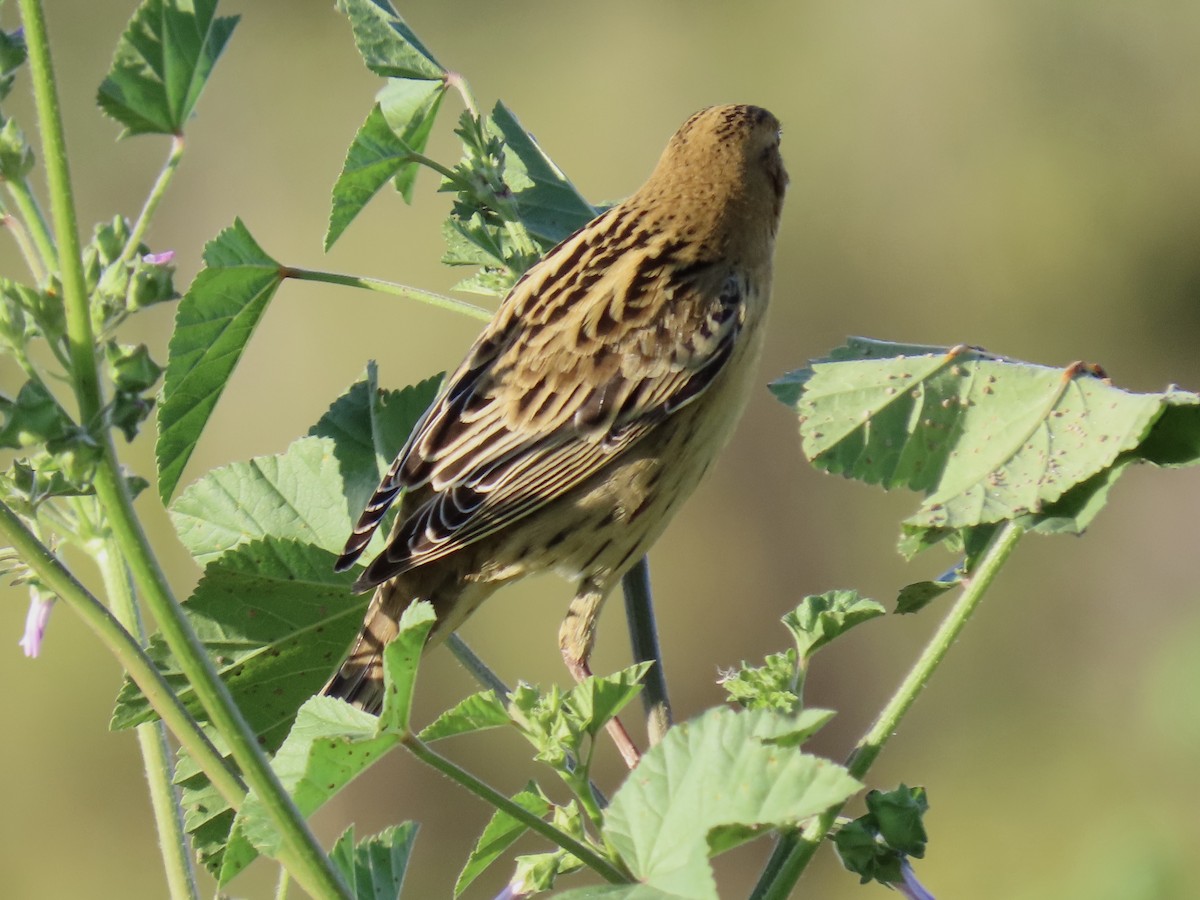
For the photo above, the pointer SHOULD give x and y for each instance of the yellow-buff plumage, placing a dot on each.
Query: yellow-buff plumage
(591, 405)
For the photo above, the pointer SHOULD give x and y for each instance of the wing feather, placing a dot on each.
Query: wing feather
(571, 375)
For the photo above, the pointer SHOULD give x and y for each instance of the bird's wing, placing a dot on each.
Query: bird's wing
(572, 373)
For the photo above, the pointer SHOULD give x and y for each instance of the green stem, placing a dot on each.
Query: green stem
(793, 852)
(430, 163)
(152, 740)
(456, 81)
(643, 636)
(479, 670)
(152, 199)
(35, 222)
(55, 576)
(299, 848)
(62, 205)
(587, 855)
(389, 287)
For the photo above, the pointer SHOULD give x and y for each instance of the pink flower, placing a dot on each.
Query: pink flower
(35, 623)
(159, 259)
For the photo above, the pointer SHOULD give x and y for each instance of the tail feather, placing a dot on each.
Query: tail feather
(360, 684)
(359, 681)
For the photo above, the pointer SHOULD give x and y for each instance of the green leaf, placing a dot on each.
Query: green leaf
(1174, 440)
(383, 149)
(162, 63)
(501, 832)
(131, 367)
(916, 596)
(720, 771)
(33, 419)
(875, 846)
(375, 869)
(16, 156)
(216, 318)
(476, 713)
(386, 43)
(548, 203)
(411, 107)
(208, 818)
(13, 53)
(986, 439)
(899, 815)
(821, 618)
(296, 495)
(330, 744)
(773, 685)
(276, 619)
(400, 660)
(597, 699)
(368, 426)
(315, 490)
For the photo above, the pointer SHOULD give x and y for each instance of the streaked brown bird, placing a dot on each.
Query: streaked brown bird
(592, 404)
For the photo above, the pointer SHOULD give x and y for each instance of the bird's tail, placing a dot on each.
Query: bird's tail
(359, 681)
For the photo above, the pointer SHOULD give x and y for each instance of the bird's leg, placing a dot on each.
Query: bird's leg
(575, 638)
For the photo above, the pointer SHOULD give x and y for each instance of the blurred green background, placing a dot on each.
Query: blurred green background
(1016, 175)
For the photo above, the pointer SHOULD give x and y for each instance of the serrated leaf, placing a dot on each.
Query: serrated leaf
(501, 832)
(597, 699)
(330, 744)
(411, 107)
(987, 439)
(162, 63)
(368, 426)
(549, 204)
(718, 771)
(401, 658)
(822, 617)
(478, 712)
(276, 619)
(383, 150)
(215, 320)
(375, 868)
(385, 42)
(295, 495)
(773, 685)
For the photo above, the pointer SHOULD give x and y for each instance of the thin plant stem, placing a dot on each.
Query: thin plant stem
(479, 670)
(152, 740)
(281, 889)
(794, 851)
(643, 637)
(55, 576)
(487, 678)
(586, 854)
(28, 253)
(389, 287)
(456, 81)
(35, 221)
(299, 849)
(174, 157)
